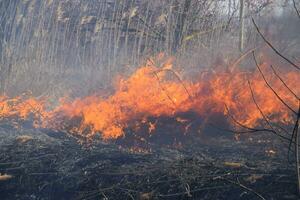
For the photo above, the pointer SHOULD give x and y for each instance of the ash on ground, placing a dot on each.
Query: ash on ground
(42, 165)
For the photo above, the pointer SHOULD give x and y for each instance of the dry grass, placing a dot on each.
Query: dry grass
(5, 177)
(23, 139)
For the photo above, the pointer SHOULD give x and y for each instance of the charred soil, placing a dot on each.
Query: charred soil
(38, 164)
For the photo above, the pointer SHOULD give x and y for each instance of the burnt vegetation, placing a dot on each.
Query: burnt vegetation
(138, 99)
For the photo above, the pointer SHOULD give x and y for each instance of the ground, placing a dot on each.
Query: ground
(44, 165)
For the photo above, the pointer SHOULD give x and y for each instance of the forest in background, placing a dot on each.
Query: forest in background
(54, 47)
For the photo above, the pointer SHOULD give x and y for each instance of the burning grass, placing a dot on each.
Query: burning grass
(154, 117)
(156, 92)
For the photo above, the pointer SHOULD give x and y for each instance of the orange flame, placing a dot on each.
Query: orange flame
(21, 107)
(150, 92)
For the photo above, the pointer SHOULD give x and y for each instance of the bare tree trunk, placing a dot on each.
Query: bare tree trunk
(179, 29)
(295, 133)
(242, 24)
(297, 161)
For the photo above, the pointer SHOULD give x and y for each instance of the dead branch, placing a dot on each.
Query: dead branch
(179, 79)
(237, 61)
(273, 48)
(253, 130)
(295, 133)
(283, 82)
(176, 75)
(163, 89)
(261, 112)
(270, 87)
(296, 9)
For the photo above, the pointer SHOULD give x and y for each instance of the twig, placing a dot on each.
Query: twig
(244, 187)
(176, 75)
(237, 122)
(291, 140)
(270, 87)
(295, 133)
(128, 192)
(251, 130)
(41, 174)
(295, 6)
(282, 81)
(105, 197)
(261, 112)
(192, 191)
(163, 89)
(94, 193)
(244, 55)
(179, 79)
(273, 48)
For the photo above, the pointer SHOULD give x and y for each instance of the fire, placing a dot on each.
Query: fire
(21, 107)
(154, 92)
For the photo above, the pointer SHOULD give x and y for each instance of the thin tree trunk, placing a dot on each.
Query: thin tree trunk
(242, 24)
(180, 23)
(296, 133)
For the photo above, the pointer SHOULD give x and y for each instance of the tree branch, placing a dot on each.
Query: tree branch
(295, 6)
(269, 86)
(282, 81)
(273, 48)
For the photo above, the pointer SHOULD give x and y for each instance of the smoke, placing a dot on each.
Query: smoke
(59, 47)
